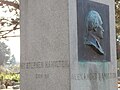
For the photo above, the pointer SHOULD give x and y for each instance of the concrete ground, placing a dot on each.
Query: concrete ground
(9, 88)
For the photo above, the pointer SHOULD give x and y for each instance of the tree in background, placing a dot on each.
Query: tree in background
(11, 61)
(7, 60)
(9, 18)
(117, 17)
(9, 25)
(4, 53)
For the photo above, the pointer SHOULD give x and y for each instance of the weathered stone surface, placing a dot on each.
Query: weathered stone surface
(92, 75)
(44, 45)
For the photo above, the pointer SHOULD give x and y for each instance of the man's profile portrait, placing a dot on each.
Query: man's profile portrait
(94, 31)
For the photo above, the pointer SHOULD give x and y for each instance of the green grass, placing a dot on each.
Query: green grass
(10, 76)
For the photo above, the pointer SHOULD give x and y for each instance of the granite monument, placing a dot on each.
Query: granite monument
(68, 45)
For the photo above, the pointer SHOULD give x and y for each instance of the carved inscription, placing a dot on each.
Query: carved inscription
(44, 64)
(42, 76)
(93, 76)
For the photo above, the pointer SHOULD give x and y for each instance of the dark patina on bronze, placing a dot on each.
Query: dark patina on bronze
(93, 31)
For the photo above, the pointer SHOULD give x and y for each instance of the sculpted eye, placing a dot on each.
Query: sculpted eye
(95, 28)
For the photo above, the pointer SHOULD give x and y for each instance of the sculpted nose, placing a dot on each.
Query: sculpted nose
(102, 29)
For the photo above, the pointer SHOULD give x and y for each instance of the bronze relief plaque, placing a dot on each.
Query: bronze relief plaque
(93, 31)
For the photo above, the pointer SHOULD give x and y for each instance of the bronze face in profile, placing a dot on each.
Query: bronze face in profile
(94, 31)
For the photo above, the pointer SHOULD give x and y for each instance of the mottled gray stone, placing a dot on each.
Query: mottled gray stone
(44, 45)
